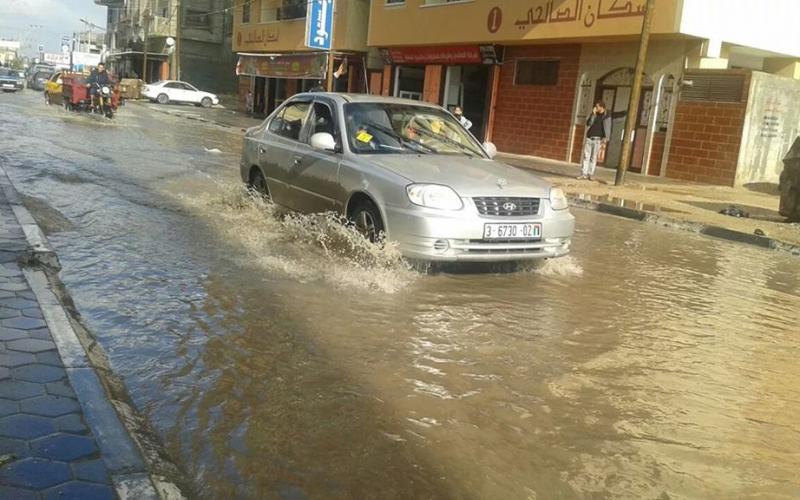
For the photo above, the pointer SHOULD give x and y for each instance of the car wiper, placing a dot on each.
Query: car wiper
(464, 149)
(402, 140)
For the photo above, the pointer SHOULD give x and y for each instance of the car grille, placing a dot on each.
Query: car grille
(507, 206)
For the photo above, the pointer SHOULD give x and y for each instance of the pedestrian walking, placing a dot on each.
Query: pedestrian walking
(459, 114)
(598, 132)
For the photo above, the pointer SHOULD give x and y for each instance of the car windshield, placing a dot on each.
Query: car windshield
(7, 72)
(376, 127)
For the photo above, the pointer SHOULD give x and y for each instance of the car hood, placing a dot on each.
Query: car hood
(468, 176)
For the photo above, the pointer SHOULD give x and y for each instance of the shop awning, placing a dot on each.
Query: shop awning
(311, 65)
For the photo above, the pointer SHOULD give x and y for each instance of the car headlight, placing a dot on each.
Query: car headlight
(558, 200)
(434, 196)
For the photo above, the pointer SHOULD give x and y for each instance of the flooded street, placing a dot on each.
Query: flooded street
(281, 358)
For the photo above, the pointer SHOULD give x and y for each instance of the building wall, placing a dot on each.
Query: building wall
(771, 126)
(706, 140)
(532, 119)
(351, 18)
(510, 21)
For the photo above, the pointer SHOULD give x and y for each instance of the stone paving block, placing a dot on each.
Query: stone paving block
(6, 295)
(18, 303)
(80, 490)
(4, 373)
(17, 447)
(8, 407)
(23, 323)
(27, 295)
(33, 313)
(8, 312)
(17, 389)
(61, 388)
(40, 333)
(49, 357)
(7, 334)
(11, 359)
(11, 287)
(91, 470)
(21, 426)
(63, 447)
(10, 271)
(71, 423)
(49, 406)
(30, 345)
(38, 373)
(17, 493)
(34, 473)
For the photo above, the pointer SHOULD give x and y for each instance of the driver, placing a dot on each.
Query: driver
(97, 78)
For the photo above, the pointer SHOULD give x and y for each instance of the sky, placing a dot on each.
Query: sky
(45, 21)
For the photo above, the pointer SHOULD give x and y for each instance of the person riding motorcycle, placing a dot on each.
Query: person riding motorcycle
(97, 79)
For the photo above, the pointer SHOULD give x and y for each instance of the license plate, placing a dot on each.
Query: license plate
(523, 231)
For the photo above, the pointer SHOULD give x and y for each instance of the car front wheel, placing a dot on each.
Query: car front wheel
(206, 102)
(162, 98)
(366, 218)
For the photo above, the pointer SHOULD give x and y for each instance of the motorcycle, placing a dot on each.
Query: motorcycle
(102, 100)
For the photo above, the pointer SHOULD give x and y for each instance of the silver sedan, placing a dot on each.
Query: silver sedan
(406, 171)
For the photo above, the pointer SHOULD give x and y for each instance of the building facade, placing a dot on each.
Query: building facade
(9, 52)
(274, 62)
(527, 74)
(204, 50)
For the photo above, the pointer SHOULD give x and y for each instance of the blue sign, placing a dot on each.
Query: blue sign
(319, 24)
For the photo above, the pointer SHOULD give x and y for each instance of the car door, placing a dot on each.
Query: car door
(191, 94)
(174, 91)
(315, 173)
(277, 151)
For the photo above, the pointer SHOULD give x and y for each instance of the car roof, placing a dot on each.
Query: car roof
(344, 97)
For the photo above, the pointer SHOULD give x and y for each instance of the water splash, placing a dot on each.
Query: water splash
(562, 266)
(304, 247)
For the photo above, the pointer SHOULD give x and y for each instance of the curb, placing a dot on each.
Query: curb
(585, 201)
(118, 449)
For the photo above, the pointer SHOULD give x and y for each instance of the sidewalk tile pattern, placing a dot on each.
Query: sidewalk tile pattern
(46, 449)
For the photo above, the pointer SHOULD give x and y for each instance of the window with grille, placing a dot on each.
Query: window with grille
(537, 72)
(246, 12)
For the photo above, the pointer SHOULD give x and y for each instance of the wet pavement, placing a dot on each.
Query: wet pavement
(280, 358)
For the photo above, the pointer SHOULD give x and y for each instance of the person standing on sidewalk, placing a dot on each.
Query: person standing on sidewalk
(598, 132)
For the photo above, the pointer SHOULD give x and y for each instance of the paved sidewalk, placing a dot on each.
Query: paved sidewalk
(60, 436)
(695, 206)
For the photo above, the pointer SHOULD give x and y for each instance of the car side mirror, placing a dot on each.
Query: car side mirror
(323, 141)
(490, 149)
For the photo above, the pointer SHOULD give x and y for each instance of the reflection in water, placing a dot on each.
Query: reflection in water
(650, 364)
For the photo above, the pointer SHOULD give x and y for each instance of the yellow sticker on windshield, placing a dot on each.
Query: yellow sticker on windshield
(363, 136)
(436, 126)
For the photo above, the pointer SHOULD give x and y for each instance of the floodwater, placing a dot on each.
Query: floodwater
(281, 358)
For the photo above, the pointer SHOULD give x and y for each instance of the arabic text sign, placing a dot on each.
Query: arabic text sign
(586, 11)
(283, 66)
(319, 24)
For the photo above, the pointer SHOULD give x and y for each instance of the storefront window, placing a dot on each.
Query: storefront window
(410, 82)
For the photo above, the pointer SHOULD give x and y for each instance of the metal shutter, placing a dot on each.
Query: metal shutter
(713, 88)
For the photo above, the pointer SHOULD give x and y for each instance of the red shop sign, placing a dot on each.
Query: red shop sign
(465, 54)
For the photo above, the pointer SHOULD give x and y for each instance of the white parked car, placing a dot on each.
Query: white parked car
(170, 90)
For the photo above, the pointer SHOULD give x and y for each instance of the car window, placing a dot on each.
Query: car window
(290, 121)
(189, 87)
(323, 120)
(173, 85)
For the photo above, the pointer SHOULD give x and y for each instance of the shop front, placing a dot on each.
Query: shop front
(450, 76)
(273, 78)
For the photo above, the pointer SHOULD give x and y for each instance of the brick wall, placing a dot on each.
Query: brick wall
(387, 80)
(242, 89)
(376, 82)
(657, 153)
(706, 139)
(536, 119)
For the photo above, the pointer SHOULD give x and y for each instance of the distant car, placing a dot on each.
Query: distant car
(408, 170)
(167, 91)
(38, 80)
(11, 80)
(30, 73)
(54, 89)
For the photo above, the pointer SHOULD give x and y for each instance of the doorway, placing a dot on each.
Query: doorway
(409, 82)
(615, 90)
(468, 86)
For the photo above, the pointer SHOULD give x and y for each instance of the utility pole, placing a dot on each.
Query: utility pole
(329, 73)
(146, 33)
(177, 54)
(633, 107)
